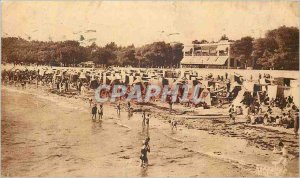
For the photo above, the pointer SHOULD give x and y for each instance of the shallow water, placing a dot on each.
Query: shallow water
(41, 137)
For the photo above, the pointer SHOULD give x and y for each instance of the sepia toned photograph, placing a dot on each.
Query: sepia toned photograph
(150, 88)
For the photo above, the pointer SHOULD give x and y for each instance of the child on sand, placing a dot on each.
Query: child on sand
(173, 123)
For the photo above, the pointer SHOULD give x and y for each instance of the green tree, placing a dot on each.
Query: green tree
(177, 54)
(126, 56)
(224, 37)
(156, 54)
(242, 50)
(278, 50)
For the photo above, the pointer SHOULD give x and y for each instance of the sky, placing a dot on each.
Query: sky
(139, 23)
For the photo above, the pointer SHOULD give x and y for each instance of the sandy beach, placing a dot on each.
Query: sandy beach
(48, 135)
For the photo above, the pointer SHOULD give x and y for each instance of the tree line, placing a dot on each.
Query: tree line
(70, 53)
(279, 49)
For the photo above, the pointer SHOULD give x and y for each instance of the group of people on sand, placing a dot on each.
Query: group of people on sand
(259, 109)
(145, 122)
(286, 119)
(96, 111)
(277, 115)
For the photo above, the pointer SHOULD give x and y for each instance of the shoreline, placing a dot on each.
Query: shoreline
(259, 164)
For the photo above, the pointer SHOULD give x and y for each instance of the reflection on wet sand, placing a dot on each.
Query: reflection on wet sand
(73, 145)
(96, 127)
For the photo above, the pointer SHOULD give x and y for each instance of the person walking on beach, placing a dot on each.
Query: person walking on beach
(147, 120)
(100, 112)
(128, 105)
(94, 112)
(144, 117)
(129, 109)
(91, 101)
(232, 113)
(144, 150)
(119, 108)
(173, 123)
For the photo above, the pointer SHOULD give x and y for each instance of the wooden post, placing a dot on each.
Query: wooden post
(228, 61)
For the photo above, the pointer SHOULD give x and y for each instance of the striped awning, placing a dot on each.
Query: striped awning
(205, 60)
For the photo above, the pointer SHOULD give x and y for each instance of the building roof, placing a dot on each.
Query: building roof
(222, 47)
(205, 60)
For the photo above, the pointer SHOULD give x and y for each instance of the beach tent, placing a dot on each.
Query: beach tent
(249, 86)
(204, 83)
(205, 96)
(295, 94)
(130, 80)
(239, 98)
(272, 91)
(82, 76)
(294, 91)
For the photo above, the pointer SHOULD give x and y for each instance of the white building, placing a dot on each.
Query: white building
(209, 55)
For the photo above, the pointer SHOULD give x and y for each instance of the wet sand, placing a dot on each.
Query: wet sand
(49, 135)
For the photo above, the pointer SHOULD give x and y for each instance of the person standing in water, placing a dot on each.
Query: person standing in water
(100, 112)
(144, 117)
(90, 101)
(94, 112)
(128, 105)
(119, 108)
(144, 150)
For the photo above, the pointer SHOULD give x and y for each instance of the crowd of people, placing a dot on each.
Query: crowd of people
(231, 91)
